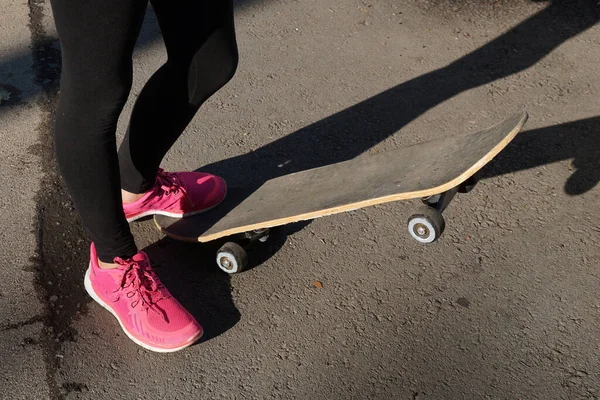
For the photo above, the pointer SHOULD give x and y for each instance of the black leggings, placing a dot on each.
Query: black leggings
(97, 39)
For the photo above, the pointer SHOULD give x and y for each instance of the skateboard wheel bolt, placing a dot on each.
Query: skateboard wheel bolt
(225, 263)
(422, 230)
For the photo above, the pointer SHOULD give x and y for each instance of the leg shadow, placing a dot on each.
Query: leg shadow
(351, 132)
(577, 140)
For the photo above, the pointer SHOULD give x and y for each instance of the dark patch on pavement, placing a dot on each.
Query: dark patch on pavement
(463, 302)
(27, 341)
(70, 387)
(9, 95)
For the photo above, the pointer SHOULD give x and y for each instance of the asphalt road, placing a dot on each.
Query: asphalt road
(504, 306)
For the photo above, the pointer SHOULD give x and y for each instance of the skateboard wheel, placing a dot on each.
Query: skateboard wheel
(232, 258)
(426, 226)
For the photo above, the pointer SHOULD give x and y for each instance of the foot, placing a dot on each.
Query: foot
(178, 195)
(145, 309)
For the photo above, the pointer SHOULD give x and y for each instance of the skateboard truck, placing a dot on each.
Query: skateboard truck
(233, 257)
(427, 224)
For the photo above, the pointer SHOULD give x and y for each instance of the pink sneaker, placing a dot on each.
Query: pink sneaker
(178, 195)
(148, 314)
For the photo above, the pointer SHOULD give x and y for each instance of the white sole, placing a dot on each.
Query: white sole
(88, 287)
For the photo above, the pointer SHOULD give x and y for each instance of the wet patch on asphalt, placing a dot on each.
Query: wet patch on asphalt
(9, 95)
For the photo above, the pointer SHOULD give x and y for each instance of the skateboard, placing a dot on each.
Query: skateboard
(434, 171)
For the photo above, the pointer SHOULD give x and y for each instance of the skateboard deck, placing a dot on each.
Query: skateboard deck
(418, 171)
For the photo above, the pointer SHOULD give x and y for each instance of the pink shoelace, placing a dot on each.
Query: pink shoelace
(141, 285)
(169, 183)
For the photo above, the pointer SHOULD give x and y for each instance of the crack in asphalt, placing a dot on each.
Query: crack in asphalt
(18, 325)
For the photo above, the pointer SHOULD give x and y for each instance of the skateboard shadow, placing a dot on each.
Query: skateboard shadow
(192, 278)
(190, 272)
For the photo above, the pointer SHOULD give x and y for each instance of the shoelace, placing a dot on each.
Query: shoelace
(141, 286)
(169, 183)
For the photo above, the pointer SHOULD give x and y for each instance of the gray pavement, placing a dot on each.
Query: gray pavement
(22, 366)
(505, 306)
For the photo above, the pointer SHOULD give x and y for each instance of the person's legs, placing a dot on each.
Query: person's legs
(97, 38)
(202, 58)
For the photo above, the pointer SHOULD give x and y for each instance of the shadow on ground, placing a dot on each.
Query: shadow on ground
(356, 129)
(577, 140)
(351, 132)
(190, 272)
(344, 135)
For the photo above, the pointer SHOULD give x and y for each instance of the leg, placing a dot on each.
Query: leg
(97, 39)
(96, 80)
(202, 58)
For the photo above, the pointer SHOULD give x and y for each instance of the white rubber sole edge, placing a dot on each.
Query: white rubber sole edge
(167, 214)
(88, 287)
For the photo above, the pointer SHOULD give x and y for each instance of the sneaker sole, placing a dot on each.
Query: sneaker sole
(173, 215)
(93, 295)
